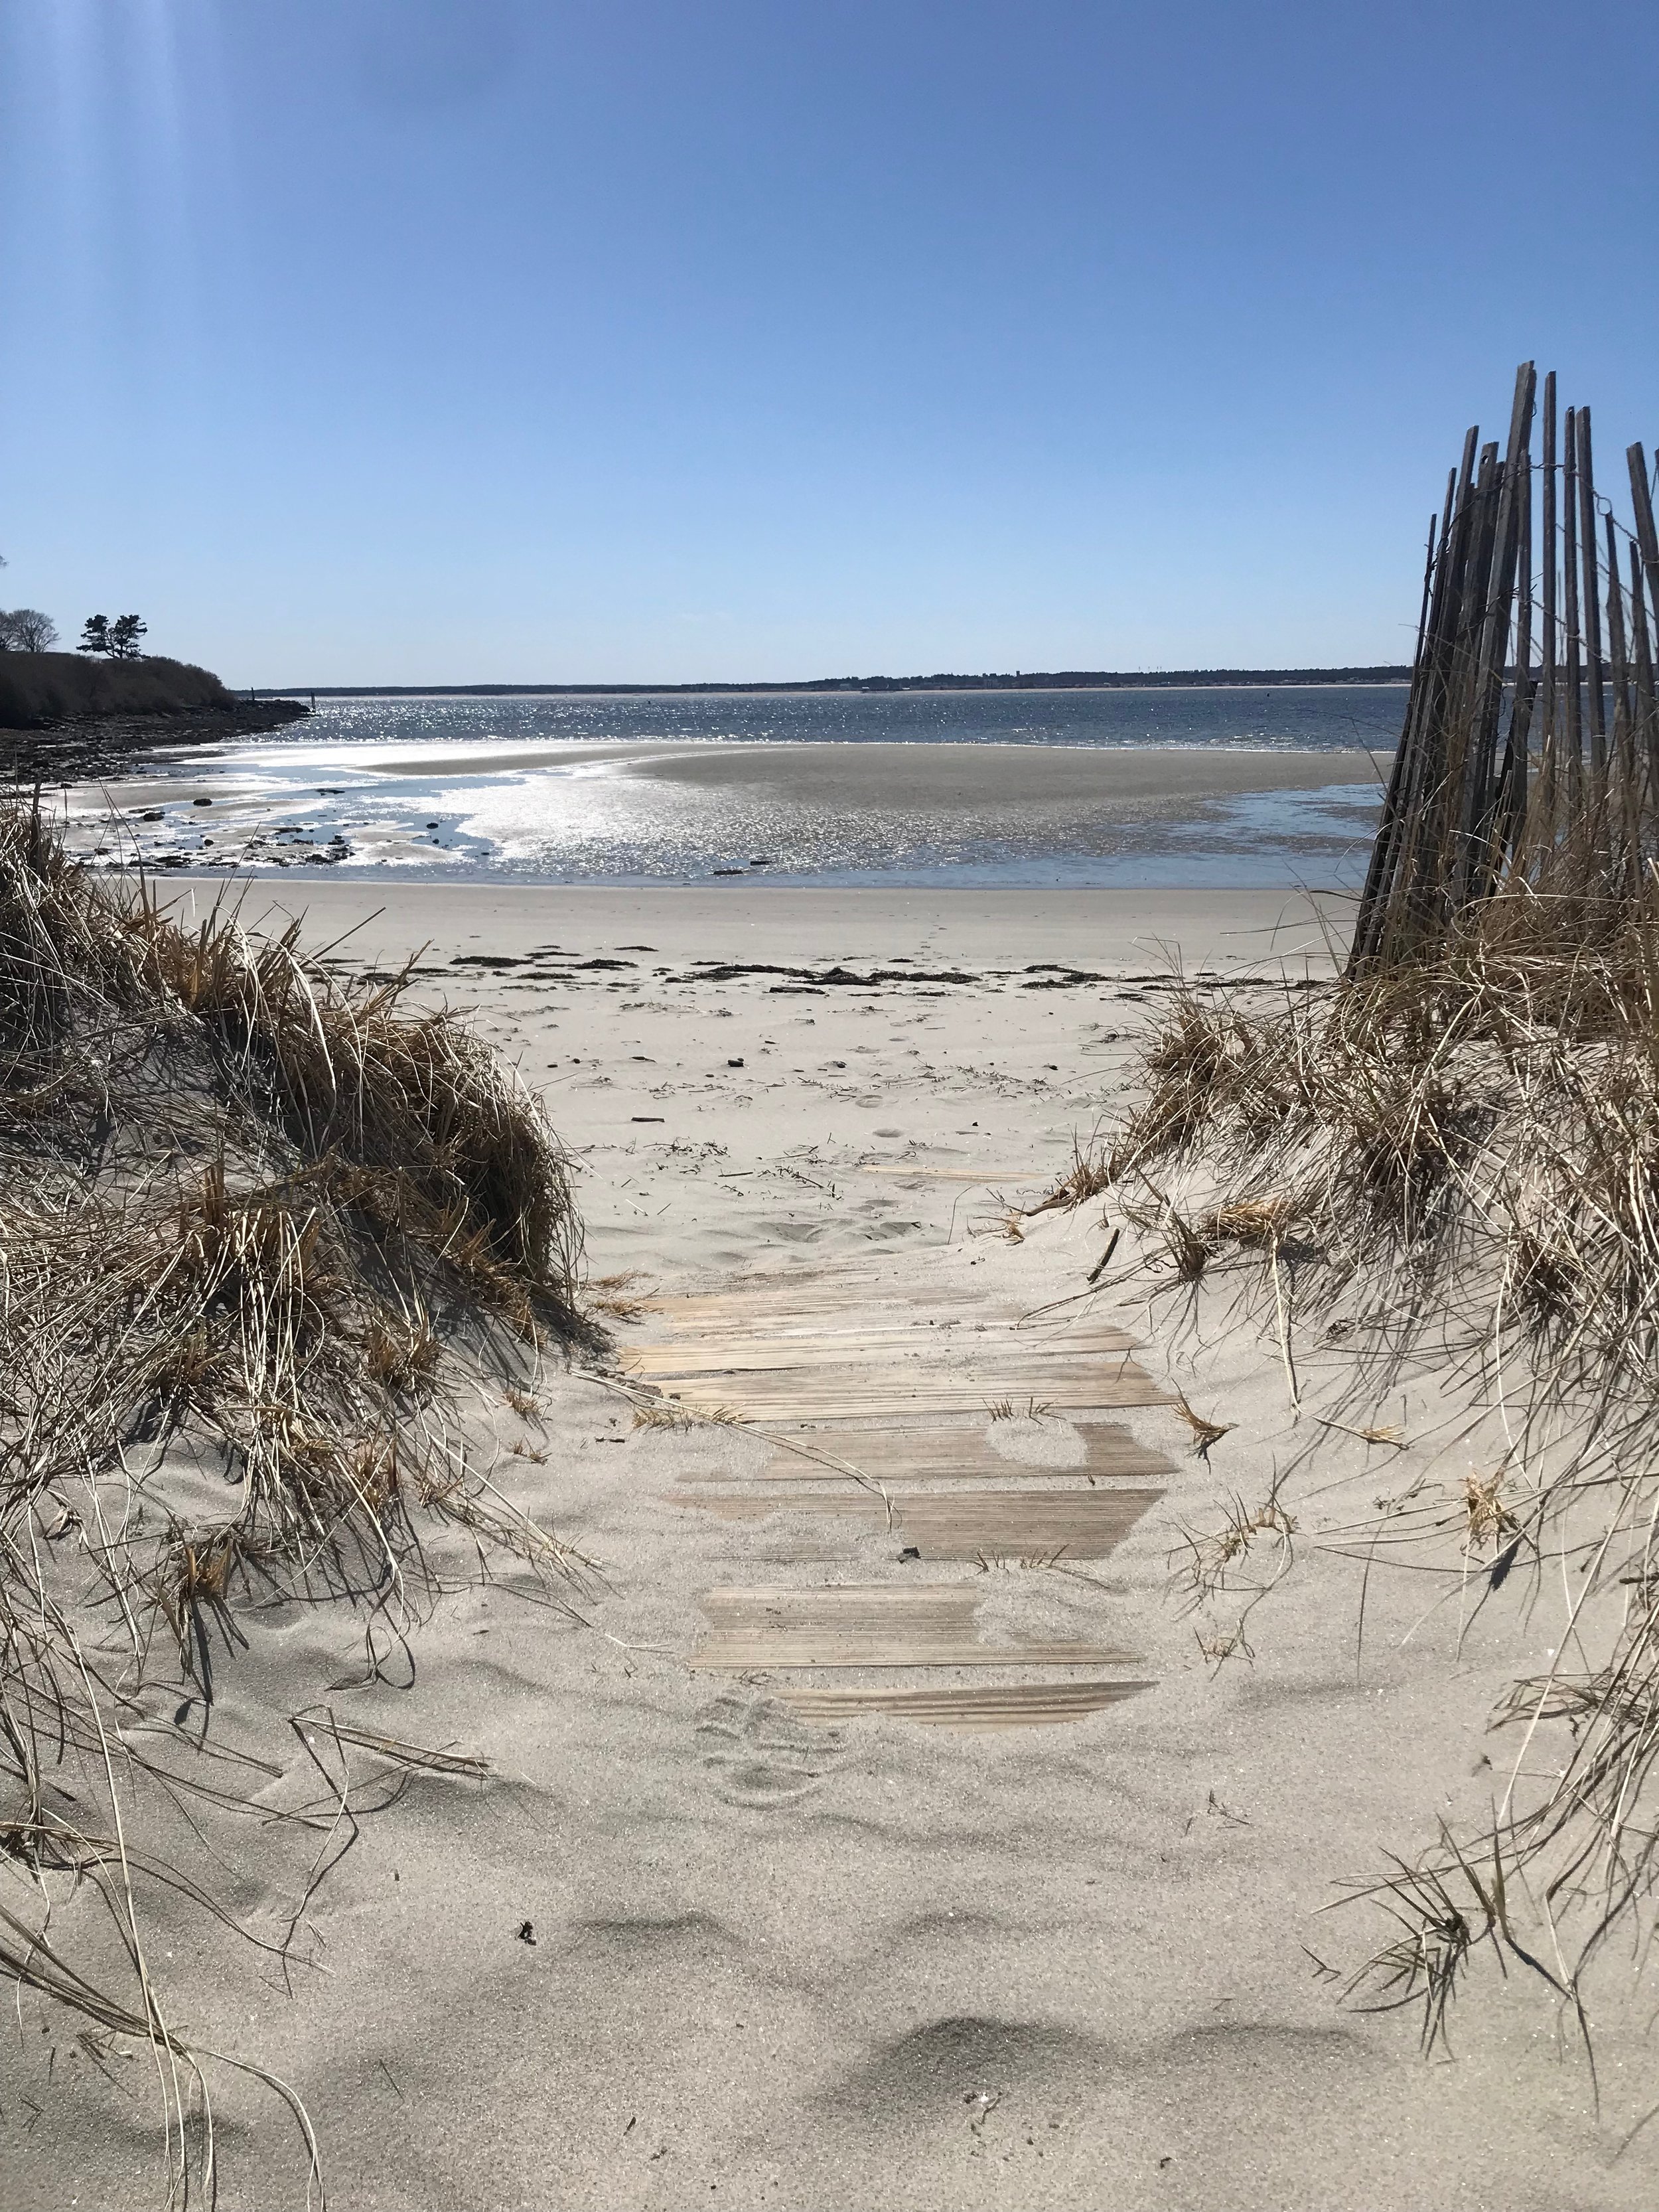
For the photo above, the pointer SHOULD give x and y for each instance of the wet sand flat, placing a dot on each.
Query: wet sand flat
(974, 776)
(640, 810)
(922, 775)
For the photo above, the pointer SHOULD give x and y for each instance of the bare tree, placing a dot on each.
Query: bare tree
(26, 629)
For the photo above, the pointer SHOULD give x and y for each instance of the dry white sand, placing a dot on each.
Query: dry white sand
(875, 1964)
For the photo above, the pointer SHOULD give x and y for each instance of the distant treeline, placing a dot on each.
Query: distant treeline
(1063, 679)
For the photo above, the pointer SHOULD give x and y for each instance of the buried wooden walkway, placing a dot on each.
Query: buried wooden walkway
(889, 1420)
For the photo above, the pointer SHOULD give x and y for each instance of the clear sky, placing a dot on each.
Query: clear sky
(508, 340)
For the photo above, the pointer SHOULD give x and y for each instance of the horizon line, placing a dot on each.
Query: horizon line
(1020, 680)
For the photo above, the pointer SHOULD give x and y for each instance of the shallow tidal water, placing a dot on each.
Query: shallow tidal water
(668, 790)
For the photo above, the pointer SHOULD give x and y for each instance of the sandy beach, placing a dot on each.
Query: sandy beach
(828, 1111)
(709, 1925)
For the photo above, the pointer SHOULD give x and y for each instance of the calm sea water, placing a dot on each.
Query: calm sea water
(591, 789)
(1320, 717)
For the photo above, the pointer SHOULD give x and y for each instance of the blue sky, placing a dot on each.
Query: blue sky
(508, 340)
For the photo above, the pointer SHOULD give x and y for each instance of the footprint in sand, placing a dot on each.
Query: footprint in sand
(757, 1752)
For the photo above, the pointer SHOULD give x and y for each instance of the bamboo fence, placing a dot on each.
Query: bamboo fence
(1531, 751)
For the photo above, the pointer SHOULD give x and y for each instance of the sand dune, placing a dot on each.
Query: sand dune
(690, 1942)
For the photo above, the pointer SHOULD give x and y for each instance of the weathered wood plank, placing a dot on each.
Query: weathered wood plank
(1079, 1524)
(901, 1456)
(990, 1352)
(862, 1399)
(995, 1705)
(867, 1624)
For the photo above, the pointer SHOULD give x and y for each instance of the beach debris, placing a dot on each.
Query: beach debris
(1105, 1260)
(1206, 1432)
(1490, 1519)
(1379, 1433)
(1214, 1555)
(614, 1297)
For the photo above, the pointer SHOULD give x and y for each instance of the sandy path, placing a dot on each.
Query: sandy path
(866, 1963)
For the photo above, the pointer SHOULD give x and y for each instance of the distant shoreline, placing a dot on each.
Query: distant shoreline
(1181, 680)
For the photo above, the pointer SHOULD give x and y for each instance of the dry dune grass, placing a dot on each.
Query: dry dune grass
(1451, 1157)
(46, 687)
(251, 1217)
(1459, 1157)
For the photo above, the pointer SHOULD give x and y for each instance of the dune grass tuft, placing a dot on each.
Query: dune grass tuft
(1461, 1157)
(256, 1222)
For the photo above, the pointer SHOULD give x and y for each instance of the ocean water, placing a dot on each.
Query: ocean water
(1317, 717)
(666, 789)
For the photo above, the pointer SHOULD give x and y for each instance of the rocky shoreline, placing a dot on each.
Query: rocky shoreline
(93, 746)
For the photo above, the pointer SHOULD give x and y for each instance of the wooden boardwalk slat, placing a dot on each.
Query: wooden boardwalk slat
(1003, 1524)
(995, 1705)
(862, 1399)
(903, 1400)
(892, 1456)
(874, 1624)
(772, 1353)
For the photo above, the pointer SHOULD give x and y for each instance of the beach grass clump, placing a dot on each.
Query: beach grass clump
(256, 1222)
(1464, 1135)
(1458, 1159)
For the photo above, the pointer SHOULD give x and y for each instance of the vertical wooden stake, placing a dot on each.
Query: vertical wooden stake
(1574, 671)
(1647, 713)
(1547, 708)
(1622, 811)
(1587, 537)
(1510, 840)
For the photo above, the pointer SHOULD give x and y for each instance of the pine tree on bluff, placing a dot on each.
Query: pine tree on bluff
(118, 639)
